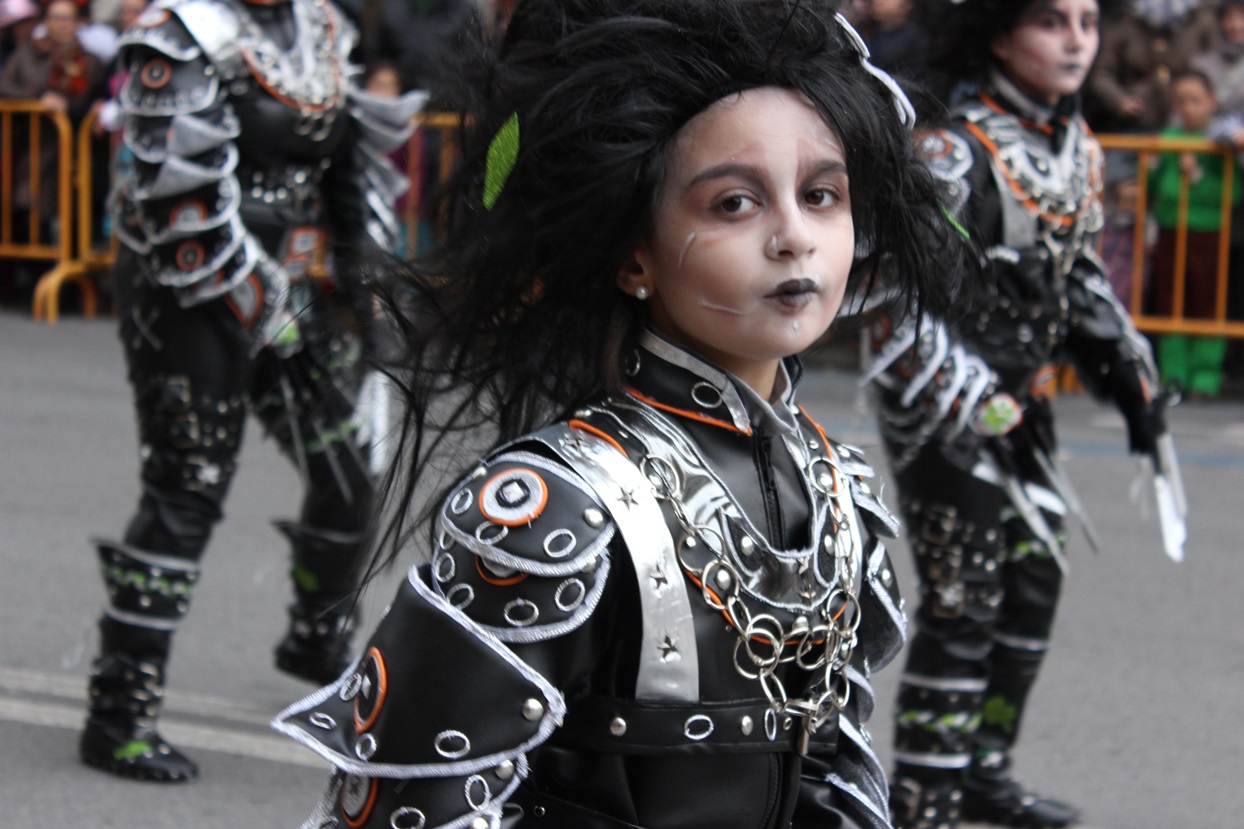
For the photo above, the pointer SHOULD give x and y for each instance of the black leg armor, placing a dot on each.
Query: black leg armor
(988, 592)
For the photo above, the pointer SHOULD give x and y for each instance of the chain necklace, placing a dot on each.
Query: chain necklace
(763, 643)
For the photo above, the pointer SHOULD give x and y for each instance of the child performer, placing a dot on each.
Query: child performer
(968, 430)
(661, 607)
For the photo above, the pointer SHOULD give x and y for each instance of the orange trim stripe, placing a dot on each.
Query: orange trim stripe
(372, 791)
(1016, 187)
(592, 430)
(505, 582)
(711, 421)
(382, 691)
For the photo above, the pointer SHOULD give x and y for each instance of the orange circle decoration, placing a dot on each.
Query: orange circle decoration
(513, 498)
(156, 73)
(189, 255)
(373, 690)
(358, 798)
(190, 212)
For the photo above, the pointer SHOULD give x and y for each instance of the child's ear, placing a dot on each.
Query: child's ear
(634, 272)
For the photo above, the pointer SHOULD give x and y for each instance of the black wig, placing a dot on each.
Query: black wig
(568, 120)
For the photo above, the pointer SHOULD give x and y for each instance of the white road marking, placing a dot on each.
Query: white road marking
(66, 709)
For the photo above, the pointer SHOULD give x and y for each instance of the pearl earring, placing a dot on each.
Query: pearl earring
(642, 293)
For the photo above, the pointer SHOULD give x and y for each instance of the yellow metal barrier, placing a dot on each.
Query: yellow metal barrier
(38, 245)
(46, 304)
(1148, 148)
(445, 126)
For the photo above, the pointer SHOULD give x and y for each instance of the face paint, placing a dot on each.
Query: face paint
(686, 246)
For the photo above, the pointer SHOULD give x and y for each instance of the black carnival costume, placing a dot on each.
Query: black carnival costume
(985, 507)
(254, 153)
(659, 612)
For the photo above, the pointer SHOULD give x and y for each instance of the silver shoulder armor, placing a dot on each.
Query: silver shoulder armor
(214, 25)
(431, 726)
(949, 157)
(384, 125)
(523, 548)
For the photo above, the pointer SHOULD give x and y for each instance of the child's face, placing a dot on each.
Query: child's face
(752, 240)
(1193, 104)
(1231, 21)
(1050, 50)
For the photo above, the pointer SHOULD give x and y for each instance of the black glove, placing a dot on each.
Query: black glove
(1146, 422)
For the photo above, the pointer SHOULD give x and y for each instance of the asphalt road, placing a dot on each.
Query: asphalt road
(1136, 719)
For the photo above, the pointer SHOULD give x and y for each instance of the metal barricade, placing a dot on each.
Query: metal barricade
(46, 304)
(1147, 149)
(43, 239)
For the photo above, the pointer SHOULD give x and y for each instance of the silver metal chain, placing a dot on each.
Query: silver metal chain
(824, 643)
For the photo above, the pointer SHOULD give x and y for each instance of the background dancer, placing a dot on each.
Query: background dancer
(965, 420)
(254, 155)
(661, 607)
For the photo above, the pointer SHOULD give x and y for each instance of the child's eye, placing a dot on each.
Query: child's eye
(821, 197)
(737, 203)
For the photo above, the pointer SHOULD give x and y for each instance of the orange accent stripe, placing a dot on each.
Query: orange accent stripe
(382, 691)
(815, 425)
(998, 108)
(1016, 187)
(711, 421)
(516, 522)
(592, 430)
(499, 582)
(372, 791)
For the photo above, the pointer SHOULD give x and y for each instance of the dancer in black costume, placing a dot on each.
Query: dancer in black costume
(254, 154)
(658, 598)
(965, 420)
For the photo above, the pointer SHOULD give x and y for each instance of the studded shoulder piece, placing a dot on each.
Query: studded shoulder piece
(384, 125)
(523, 548)
(949, 156)
(431, 727)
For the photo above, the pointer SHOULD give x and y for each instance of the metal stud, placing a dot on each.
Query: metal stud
(746, 545)
(479, 823)
(504, 769)
(746, 725)
(593, 517)
(617, 726)
(533, 710)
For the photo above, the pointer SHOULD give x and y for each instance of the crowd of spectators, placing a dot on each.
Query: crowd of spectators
(1153, 55)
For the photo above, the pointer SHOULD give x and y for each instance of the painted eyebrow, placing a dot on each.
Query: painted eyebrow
(748, 171)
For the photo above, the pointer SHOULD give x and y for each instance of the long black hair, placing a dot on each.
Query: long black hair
(567, 124)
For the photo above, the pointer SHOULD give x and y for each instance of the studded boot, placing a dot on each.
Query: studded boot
(991, 795)
(317, 645)
(126, 693)
(923, 798)
(148, 595)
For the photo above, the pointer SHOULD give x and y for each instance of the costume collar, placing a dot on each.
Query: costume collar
(1007, 94)
(670, 378)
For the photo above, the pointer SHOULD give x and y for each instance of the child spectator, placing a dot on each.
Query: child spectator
(1193, 363)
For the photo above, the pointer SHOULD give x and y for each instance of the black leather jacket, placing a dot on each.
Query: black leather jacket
(573, 650)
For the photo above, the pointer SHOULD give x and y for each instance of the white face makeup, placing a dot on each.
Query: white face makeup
(752, 240)
(1049, 52)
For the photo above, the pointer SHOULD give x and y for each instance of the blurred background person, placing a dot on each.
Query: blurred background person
(1193, 363)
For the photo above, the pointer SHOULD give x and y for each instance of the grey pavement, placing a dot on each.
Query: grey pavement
(1136, 719)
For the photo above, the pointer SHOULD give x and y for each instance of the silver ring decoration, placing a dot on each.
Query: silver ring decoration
(444, 744)
(665, 477)
(321, 720)
(467, 596)
(446, 567)
(350, 688)
(498, 532)
(474, 784)
(550, 542)
(402, 818)
(461, 502)
(518, 621)
(771, 724)
(444, 540)
(698, 727)
(902, 106)
(706, 394)
(366, 747)
(632, 363)
(576, 601)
